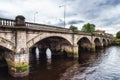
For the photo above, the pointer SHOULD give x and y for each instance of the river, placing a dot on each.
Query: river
(103, 64)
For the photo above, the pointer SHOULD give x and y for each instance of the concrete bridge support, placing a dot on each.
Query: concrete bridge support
(92, 47)
(18, 59)
(17, 64)
(75, 50)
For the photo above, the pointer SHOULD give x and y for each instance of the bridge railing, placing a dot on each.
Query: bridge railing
(11, 23)
(46, 27)
(6, 22)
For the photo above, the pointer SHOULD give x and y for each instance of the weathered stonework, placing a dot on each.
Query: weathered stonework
(19, 36)
(92, 47)
(75, 50)
(18, 64)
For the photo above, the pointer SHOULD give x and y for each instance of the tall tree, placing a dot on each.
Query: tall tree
(73, 28)
(88, 27)
(118, 35)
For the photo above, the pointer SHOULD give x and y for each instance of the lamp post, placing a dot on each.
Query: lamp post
(64, 6)
(35, 15)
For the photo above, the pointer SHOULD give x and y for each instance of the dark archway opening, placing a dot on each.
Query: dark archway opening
(104, 43)
(83, 49)
(108, 41)
(84, 45)
(97, 44)
(3, 63)
(58, 46)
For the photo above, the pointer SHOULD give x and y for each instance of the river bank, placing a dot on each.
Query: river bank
(116, 41)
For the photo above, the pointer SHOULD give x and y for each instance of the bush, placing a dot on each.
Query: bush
(118, 35)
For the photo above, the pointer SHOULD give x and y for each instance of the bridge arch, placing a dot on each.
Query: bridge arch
(6, 56)
(53, 38)
(108, 41)
(84, 44)
(57, 45)
(7, 44)
(104, 42)
(40, 37)
(97, 42)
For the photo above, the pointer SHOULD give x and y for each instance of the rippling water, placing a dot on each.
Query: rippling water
(105, 67)
(101, 65)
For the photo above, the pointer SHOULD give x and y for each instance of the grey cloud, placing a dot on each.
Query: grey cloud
(71, 14)
(75, 22)
(59, 24)
(112, 21)
(89, 11)
(110, 3)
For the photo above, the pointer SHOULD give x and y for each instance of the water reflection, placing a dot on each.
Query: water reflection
(37, 53)
(105, 68)
(101, 65)
(48, 55)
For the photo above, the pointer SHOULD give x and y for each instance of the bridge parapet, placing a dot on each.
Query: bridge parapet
(6, 22)
(34, 26)
(106, 35)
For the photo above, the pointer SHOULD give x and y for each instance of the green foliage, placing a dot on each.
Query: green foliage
(18, 66)
(22, 68)
(88, 27)
(118, 35)
(72, 53)
(73, 28)
(116, 41)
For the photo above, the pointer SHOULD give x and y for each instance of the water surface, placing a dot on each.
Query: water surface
(101, 65)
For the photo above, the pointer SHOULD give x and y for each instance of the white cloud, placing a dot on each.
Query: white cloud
(103, 13)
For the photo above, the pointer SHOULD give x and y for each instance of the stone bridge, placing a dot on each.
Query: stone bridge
(19, 38)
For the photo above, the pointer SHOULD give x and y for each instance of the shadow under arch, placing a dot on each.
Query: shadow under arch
(4, 65)
(109, 42)
(104, 43)
(59, 47)
(84, 45)
(41, 36)
(97, 43)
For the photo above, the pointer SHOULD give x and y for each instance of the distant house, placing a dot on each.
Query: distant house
(109, 35)
(100, 32)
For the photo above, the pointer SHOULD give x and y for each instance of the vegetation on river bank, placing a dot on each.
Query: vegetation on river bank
(116, 40)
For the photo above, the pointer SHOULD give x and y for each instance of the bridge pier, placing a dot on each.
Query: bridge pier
(92, 48)
(18, 64)
(75, 51)
(18, 60)
(101, 45)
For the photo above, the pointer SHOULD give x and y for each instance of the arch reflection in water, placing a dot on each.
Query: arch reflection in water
(37, 52)
(48, 54)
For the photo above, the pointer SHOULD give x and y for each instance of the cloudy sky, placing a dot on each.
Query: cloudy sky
(105, 14)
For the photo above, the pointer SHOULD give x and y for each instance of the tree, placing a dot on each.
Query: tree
(118, 35)
(73, 28)
(88, 27)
